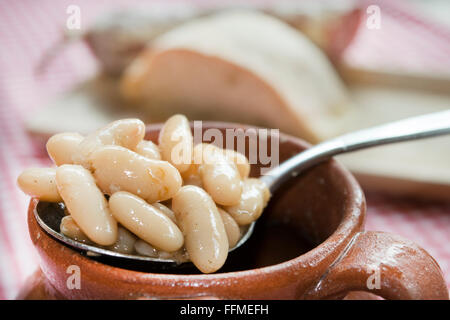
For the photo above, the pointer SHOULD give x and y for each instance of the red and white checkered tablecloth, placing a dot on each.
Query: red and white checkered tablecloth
(404, 43)
(29, 27)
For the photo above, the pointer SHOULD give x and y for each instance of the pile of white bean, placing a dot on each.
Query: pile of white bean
(171, 200)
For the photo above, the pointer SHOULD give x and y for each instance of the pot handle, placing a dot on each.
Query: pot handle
(383, 264)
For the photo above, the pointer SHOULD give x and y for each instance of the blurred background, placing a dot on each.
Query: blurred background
(333, 66)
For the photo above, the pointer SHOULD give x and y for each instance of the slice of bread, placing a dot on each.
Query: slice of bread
(240, 66)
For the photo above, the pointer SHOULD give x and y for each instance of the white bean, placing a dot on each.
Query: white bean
(145, 221)
(253, 200)
(231, 227)
(62, 147)
(148, 149)
(205, 237)
(40, 183)
(178, 256)
(145, 249)
(176, 143)
(166, 210)
(69, 228)
(86, 203)
(126, 133)
(118, 169)
(125, 241)
(220, 177)
(235, 157)
(192, 177)
(240, 160)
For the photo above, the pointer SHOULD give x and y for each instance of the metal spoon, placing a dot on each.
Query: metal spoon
(430, 125)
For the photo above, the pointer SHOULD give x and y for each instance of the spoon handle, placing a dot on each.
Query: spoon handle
(425, 126)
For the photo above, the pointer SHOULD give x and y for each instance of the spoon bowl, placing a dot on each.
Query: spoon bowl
(49, 215)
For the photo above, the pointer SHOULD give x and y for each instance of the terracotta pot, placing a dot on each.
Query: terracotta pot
(323, 208)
